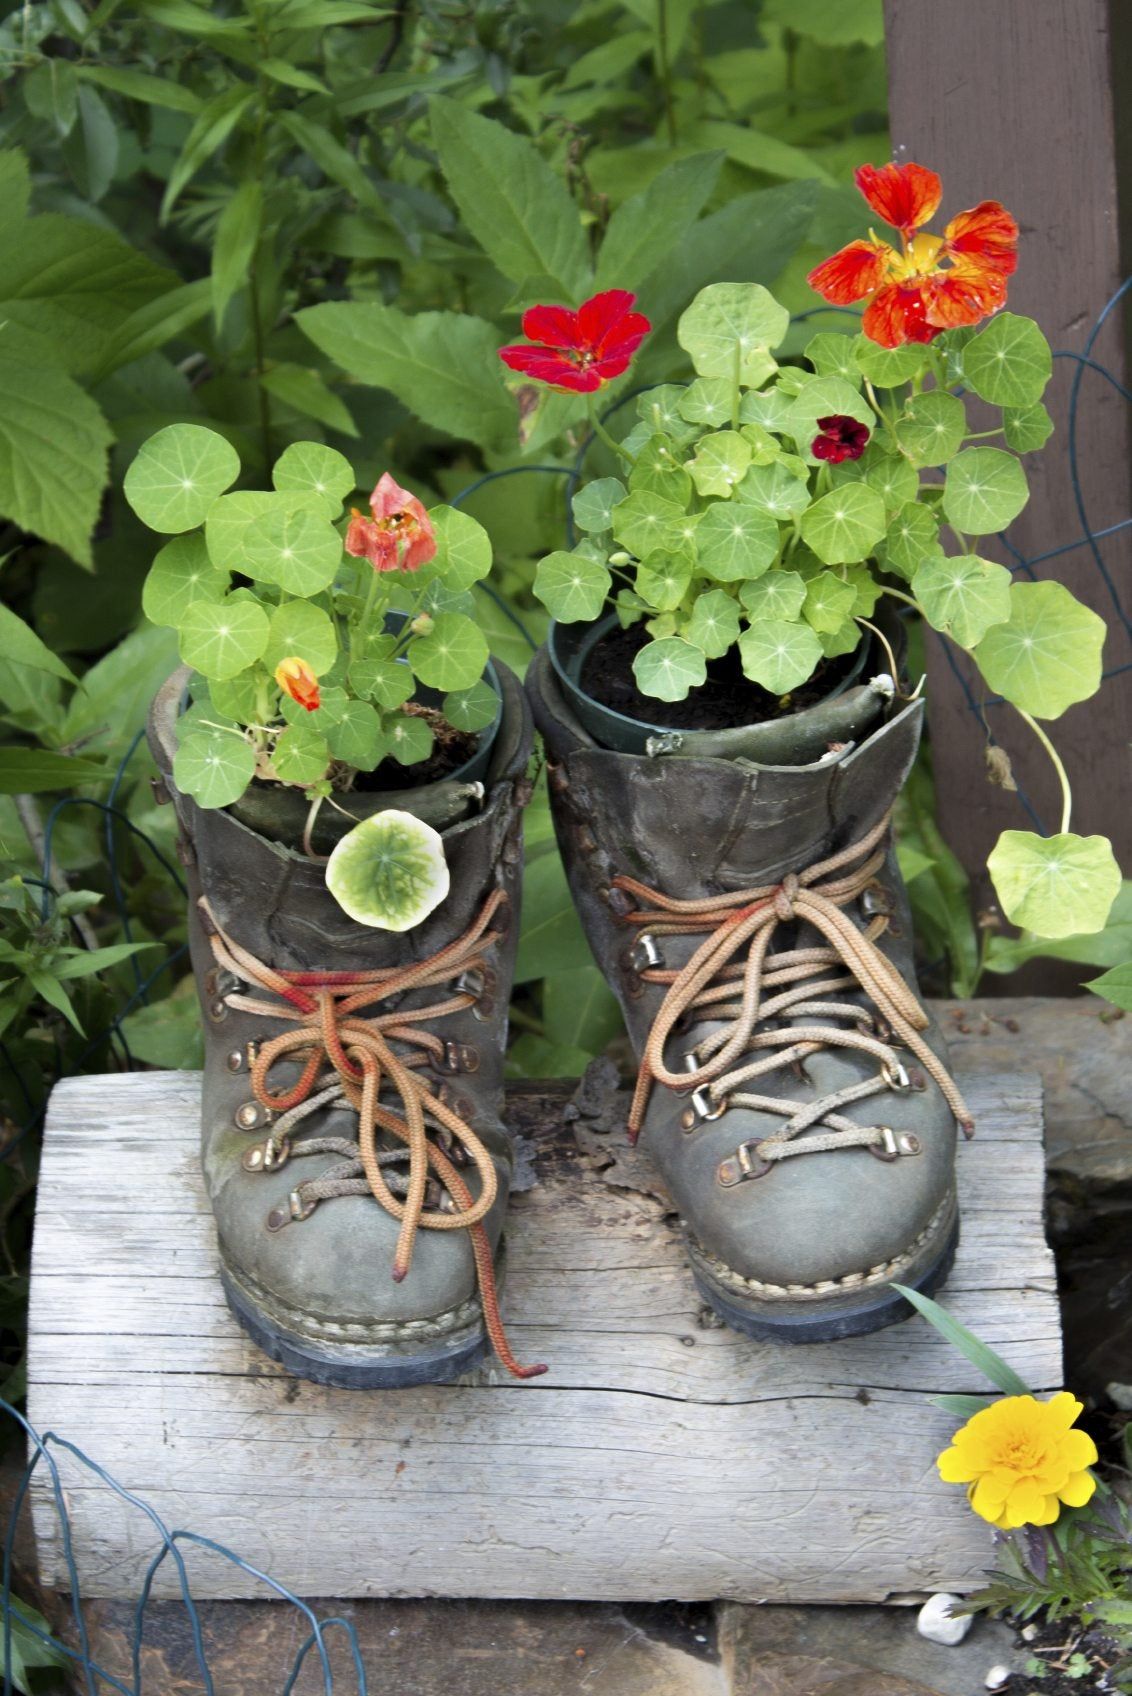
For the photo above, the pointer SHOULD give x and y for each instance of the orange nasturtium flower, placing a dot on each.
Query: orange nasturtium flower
(399, 536)
(1021, 1460)
(932, 283)
(295, 677)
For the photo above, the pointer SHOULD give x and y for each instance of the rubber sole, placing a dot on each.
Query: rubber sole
(821, 1321)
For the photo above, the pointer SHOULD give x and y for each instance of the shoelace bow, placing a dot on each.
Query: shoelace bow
(719, 984)
(347, 1058)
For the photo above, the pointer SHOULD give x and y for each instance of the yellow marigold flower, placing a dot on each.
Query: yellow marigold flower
(1021, 1460)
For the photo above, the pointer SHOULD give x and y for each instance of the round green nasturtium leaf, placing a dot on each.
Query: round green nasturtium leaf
(668, 668)
(844, 525)
(298, 550)
(779, 595)
(472, 709)
(220, 638)
(593, 506)
(214, 767)
(333, 702)
(388, 682)
(707, 401)
(889, 367)
(571, 587)
(829, 603)
(463, 548)
(659, 410)
(888, 473)
(726, 319)
(911, 538)
(644, 522)
(1009, 362)
(720, 462)
(237, 698)
(775, 489)
(1047, 655)
(868, 591)
(357, 739)
(963, 596)
(452, 655)
(301, 755)
(660, 471)
(735, 540)
(1027, 429)
(180, 574)
(822, 397)
(768, 407)
(662, 580)
(779, 656)
(389, 872)
(177, 474)
(714, 623)
(310, 468)
(298, 630)
(410, 738)
(985, 490)
(932, 428)
(232, 518)
(1055, 886)
(831, 355)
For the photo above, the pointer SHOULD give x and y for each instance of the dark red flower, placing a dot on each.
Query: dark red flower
(579, 352)
(841, 439)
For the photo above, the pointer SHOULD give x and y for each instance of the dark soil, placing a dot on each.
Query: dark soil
(1056, 1648)
(727, 698)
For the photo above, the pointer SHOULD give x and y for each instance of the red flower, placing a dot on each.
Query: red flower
(399, 536)
(296, 678)
(581, 351)
(841, 438)
(934, 282)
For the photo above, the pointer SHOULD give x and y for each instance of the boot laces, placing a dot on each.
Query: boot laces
(773, 1009)
(348, 1060)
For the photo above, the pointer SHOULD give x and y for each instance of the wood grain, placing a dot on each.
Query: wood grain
(661, 1456)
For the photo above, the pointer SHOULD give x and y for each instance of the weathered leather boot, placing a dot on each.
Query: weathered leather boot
(753, 923)
(353, 1150)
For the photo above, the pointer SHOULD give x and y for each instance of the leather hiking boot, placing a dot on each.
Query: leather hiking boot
(352, 1143)
(753, 923)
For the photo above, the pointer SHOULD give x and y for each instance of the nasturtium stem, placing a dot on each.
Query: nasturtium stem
(362, 625)
(1062, 775)
(603, 435)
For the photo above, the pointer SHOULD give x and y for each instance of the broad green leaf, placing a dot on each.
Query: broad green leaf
(139, 85)
(728, 330)
(1115, 986)
(1110, 947)
(53, 454)
(388, 682)
(769, 408)
(847, 24)
(331, 709)
(779, 596)
(985, 491)
(829, 603)
(963, 596)
(301, 755)
(452, 655)
(32, 771)
(310, 468)
(648, 225)
(822, 397)
(1028, 428)
(571, 587)
(237, 236)
(220, 638)
(720, 462)
(932, 428)
(298, 630)
(514, 204)
(91, 147)
(911, 538)
(593, 506)
(580, 1011)
(647, 523)
(51, 92)
(1047, 655)
(1054, 886)
(775, 489)
(736, 541)
(19, 645)
(235, 698)
(660, 410)
(357, 738)
(29, 1655)
(105, 713)
(669, 668)
(15, 187)
(410, 739)
(707, 401)
(297, 549)
(463, 548)
(152, 325)
(714, 624)
(211, 129)
(759, 150)
(662, 580)
(1009, 362)
(659, 471)
(389, 872)
(472, 709)
(302, 390)
(779, 656)
(180, 574)
(888, 367)
(889, 474)
(214, 767)
(831, 355)
(177, 474)
(334, 161)
(232, 518)
(845, 525)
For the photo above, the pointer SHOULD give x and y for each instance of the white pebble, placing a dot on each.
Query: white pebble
(1029, 1632)
(997, 1677)
(938, 1624)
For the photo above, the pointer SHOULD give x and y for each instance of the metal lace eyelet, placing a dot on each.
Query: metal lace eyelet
(745, 1163)
(218, 1011)
(876, 899)
(705, 1107)
(644, 954)
(893, 1144)
(895, 1077)
(250, 1115)
(235, 1060)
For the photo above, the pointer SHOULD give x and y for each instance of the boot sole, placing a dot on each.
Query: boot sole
(817, 1319)
(388, 1365)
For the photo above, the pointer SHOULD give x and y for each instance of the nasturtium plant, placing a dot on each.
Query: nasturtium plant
(389, 872)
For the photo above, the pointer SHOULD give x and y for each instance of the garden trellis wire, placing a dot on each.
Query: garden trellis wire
(169, 1545)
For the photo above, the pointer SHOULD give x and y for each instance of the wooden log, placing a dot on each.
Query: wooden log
(661, 1456)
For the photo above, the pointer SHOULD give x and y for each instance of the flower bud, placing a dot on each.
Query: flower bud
(423, 624)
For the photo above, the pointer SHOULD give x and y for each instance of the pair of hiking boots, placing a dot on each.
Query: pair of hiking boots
(753, 924)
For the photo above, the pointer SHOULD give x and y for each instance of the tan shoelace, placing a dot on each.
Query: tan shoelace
(720, 984)
(350, 1059)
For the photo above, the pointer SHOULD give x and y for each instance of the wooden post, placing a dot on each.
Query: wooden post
(1014, 102)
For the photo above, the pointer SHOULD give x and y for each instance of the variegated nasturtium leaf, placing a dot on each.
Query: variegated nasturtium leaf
(298, 550)
(389, 872)
(662, 580)
(831, 355)
(593, 505)
(714, 623)
(932, 428)
(177, 474)
(720, 462)
(823, 397)
(728, 330)
(911, 538)
(667, 669)
(220, 638)
(776, 489)
(644, 522)
(474, 708)
(659, 410)
(844, 525)
(1055, 886)
(888, 367)
(463, 548)
(659, 471)
(410, 738)
(829, 603)
(311, 468)
(735, 540)
(357, 739)
(963, 596)
(1047, 655)
(1027, 429)
(985, 491)
(707, 401)
(300, 755)
(452, 655)
(298, 630)
(571, 587)
(1009, 362)
(180, 574)
(214, 767)
(779, 595)
(779, 656)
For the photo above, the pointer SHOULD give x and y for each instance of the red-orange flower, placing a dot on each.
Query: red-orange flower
(932, 283)
(581, 351)
(295, 677)
(399, 536)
